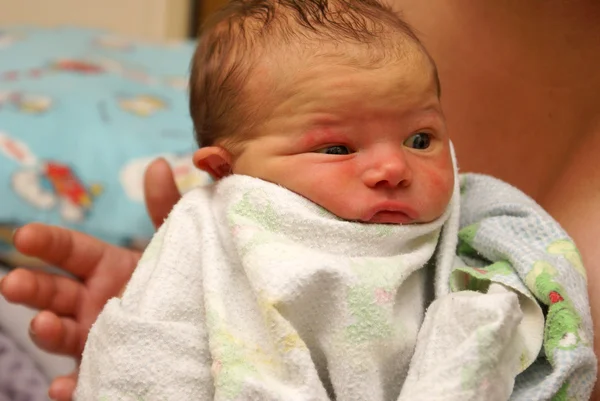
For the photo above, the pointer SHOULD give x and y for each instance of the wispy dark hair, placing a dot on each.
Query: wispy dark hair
(232, 41)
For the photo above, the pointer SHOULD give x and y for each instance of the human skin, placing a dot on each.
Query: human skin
(373, 115)
(519, 86)
(520, 83)
(101, 269)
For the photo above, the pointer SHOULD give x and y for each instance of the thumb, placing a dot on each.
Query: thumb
(160, 191)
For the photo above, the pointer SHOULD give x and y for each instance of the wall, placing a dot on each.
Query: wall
(147, 19)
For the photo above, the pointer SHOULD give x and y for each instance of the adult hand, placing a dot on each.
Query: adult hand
(68, 306)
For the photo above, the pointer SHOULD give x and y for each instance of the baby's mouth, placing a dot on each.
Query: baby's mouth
(391, 217)
(391, 212)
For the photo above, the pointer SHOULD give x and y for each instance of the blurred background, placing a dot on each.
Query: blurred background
(143, 19)
(90, 92)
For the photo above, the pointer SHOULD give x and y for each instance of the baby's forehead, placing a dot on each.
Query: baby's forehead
(288, 70)
(395, 46)
(346, 98)
(340, 81)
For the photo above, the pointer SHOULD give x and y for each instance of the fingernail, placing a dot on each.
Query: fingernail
(12, 235)
(30, 330)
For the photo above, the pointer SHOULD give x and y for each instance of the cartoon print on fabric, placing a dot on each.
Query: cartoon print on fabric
(479, 278)
(28, 103)
(563, 323)
(76, 66)
(91, 67)
(569, 251)
(32, 103)
(475, 278)
(49, 184)
(562, 394)
(142, 105)
(466, 236)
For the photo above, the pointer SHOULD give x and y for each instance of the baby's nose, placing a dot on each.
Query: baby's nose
(389, 170)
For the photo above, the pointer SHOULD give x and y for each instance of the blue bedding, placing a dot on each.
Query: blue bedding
(82, 112)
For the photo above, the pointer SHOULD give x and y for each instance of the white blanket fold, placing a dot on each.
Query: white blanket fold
(251, 292)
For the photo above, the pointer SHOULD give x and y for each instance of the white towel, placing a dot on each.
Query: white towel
(251, 292)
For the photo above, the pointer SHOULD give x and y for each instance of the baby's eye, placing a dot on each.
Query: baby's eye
(418, 141)
(335, 150)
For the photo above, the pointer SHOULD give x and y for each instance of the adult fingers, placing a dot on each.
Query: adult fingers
(160, 191)
(63, 387)
(55, 334)
(42, 290)
(75, 252)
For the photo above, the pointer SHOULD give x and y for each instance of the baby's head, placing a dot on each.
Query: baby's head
(335, 100)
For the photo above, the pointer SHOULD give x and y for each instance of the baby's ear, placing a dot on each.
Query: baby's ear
(215, 160)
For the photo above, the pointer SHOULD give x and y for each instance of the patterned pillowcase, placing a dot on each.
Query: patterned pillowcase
(82, 113)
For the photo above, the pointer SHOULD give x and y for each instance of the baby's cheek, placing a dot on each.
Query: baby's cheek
(443, 182)
(347, 170)
(340, 191)
(440, 188)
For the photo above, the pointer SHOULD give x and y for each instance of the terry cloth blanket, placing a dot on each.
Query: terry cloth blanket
(251, 292)
(507, 238)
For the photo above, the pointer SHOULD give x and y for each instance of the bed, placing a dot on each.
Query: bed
(82, 112)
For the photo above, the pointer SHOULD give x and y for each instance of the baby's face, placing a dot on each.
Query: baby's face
(366, 144)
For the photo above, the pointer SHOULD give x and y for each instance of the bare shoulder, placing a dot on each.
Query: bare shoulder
(574, 198)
